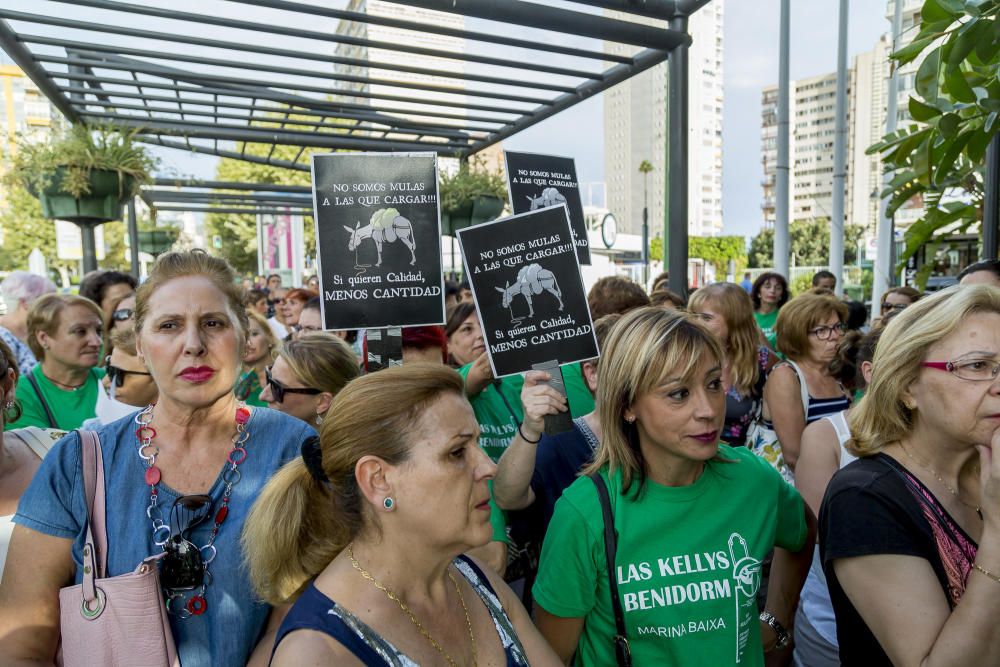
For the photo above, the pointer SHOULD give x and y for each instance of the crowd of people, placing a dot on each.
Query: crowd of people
(744, 476)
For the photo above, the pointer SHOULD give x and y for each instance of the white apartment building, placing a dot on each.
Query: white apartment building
(635, 129)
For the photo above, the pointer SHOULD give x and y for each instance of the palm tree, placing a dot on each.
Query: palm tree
(644, 168)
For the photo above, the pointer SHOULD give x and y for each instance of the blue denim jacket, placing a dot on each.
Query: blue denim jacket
(228, 631)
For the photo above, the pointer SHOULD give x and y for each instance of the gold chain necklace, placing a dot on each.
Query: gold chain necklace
(402, 605)
(954, 492)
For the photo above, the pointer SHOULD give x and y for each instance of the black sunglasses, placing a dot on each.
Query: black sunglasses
(122, 314)
(117, 375)
(183, 566)
(279, 390)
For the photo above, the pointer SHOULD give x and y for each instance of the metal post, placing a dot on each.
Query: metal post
(781, 190)
(133, 237)
(840, 156)
(884, 261)
(991, 199)
(676, 232)
(645, 246)
(89, 247)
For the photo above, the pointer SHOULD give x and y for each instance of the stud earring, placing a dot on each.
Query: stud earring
(389, 504)
(630, 420)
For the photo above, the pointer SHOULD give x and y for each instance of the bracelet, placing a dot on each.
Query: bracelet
(525, 438)
(986, 572)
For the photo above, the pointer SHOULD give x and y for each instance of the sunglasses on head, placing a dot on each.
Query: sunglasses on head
(183, 566)
(279, 390)
(117, 375)
(123, 314)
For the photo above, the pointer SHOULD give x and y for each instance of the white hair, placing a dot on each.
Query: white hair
(23, 286)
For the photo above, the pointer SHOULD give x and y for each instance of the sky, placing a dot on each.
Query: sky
(750, 61)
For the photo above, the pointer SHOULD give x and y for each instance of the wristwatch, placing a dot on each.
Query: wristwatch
(779, 629)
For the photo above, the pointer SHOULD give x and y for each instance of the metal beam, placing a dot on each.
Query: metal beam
(279, 85)
(677, 164)
(532, 15)
(239, 211)
(157, 140)
(229, 185)
(375, 19)
(654, 9)
(782, 196)
(23, 59)
(131, 10)
(613, 76)
(223, 197)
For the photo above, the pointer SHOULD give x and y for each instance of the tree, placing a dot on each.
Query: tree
(809, 242)
(937, 160)
(25, 228)
(718, 250)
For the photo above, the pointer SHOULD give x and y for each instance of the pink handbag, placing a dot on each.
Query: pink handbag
(111, 620)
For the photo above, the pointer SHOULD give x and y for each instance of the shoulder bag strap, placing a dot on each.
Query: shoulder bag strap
(803, 388)
(95, 548)
(45, 406)
(623, 653)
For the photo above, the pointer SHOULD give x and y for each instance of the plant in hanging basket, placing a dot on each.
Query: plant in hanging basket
(471, 196)
(84, 175)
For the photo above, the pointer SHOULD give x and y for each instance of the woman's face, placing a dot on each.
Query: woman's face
(948, 408)
(466, 344)
(291, 308)
(771, 291)
(137, 386)
(895, 301)
(442, 490)
(191, 341)
(823, 351)
(301, 406)
(125, 307)
(711, 315)
(75, 341)
(113, 294)
(682, 418)
(257, 346)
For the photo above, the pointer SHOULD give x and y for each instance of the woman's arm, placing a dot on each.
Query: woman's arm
(562, 634)
(783, 402)
(512, 484)
(38, 565)
(788, 574)
(819, 459)
(262, 653)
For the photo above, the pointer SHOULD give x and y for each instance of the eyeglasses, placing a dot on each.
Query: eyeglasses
(117, 375)
(893, 306)
(824, 333)
(123, 314)
(974, 370)
(279, 390)
(306, 329)
(183, 566)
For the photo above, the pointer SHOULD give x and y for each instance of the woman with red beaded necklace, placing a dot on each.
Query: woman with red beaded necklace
(180, 478)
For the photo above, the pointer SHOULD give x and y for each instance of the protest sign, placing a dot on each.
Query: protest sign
(536, 181)
(526, 280)
(378, 239)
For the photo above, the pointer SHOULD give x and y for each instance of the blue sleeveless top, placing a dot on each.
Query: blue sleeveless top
(315, 611)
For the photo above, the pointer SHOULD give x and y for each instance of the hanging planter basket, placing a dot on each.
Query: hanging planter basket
(474, 211)
(108, 194)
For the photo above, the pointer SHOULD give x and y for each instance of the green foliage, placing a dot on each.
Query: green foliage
(656, 249)
(81, 149)
(25, 228)
(468, 182)
(718, 250)
(956, 114)
(809, 241)
(800, 284)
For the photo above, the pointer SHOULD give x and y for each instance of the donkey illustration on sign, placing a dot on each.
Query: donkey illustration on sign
(386, 226)
(549, 197)
(531, 279)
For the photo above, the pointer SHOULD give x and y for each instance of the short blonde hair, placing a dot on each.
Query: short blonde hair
(645, 346)
(736, 308)
(321, 360)
(882, 417)
(802, 314)
(45, 315)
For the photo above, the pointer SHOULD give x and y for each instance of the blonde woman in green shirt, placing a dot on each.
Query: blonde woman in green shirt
(694, 518)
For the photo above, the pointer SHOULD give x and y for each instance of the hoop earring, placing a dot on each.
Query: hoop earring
(389, 504)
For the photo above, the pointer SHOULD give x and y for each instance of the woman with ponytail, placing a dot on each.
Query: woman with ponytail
(364, 534)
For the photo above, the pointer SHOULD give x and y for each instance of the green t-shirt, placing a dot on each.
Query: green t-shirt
(766, 323)
(69, 407)
(248, 389)
(498, 426)
(688, 563)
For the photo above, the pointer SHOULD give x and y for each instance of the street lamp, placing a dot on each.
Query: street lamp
(644, 168)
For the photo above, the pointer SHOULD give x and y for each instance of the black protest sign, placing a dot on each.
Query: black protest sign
(529, 291)
(378, 239)
(536, 181)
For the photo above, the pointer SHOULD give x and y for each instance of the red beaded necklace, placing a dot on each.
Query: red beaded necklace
(196, 605)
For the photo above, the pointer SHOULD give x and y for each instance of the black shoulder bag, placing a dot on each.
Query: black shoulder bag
(623, 654)
(45, 406)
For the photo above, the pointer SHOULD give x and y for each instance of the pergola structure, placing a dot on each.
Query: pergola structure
(301, 75)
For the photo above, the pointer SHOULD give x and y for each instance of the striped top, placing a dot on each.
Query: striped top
(819, 407)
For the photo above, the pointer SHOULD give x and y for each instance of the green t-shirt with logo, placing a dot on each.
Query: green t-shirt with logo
(688, 563)
(496, 423)
(70, 407)
(766, 323)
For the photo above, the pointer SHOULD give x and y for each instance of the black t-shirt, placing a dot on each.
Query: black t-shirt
(875, 506)
(558, 462)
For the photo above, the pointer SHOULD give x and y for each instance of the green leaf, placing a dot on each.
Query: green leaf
(991, 121)
(910, 52)
(958, 87)
(948, 125)
(926, 82)
(941, 10)
(965, 43)
(975, 150)
(946, 163)
(921, 111)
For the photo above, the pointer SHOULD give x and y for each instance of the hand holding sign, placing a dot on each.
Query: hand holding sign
(539, 400)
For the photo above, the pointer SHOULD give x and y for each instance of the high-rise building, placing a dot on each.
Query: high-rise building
(25, 113)
(635, 130)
